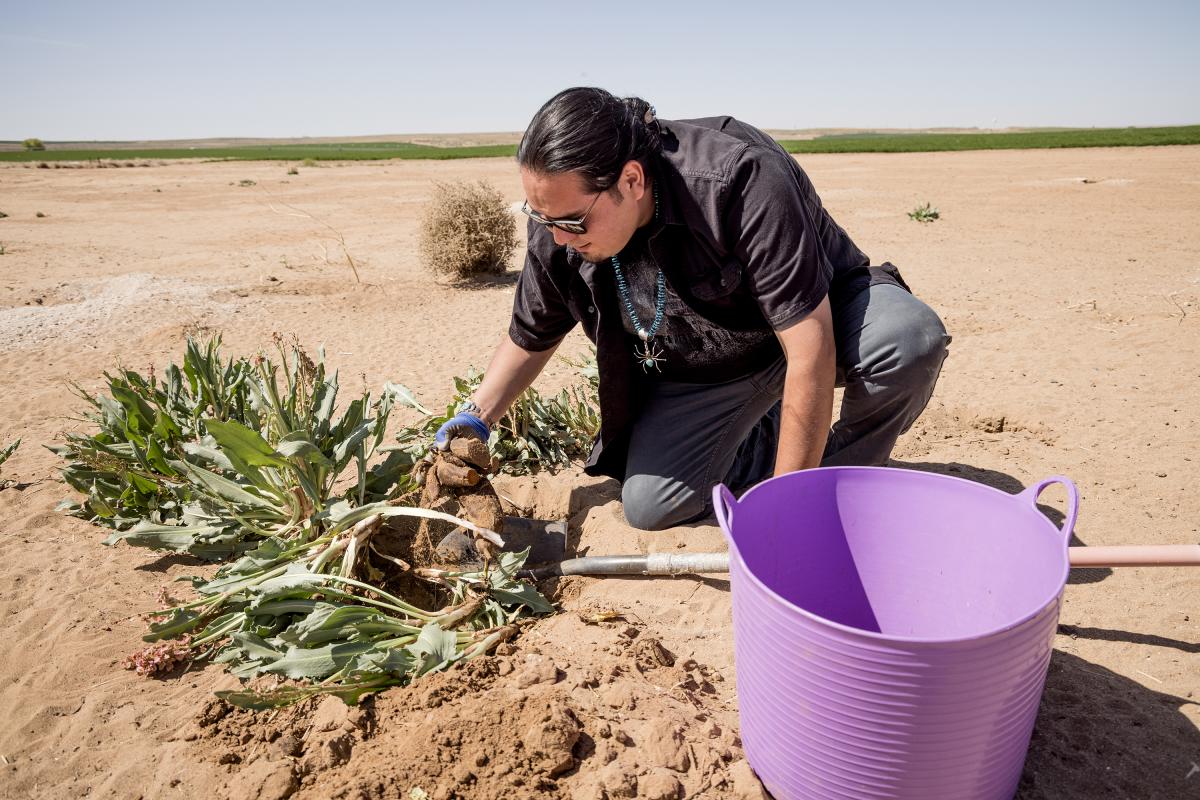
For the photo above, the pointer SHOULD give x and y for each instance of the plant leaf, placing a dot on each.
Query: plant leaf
(298, 444)
(349, 693)
(403, 395)
(434, 648)
(224, 488)
(318, 662)
(235, 439)
(523, 594)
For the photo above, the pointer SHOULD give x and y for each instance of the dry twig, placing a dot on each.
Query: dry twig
(300, 212)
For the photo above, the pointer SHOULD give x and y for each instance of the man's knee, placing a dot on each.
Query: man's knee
(924, 349)
(653, 503)
(919, 347)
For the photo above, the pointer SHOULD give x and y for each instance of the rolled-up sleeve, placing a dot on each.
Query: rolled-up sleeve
(541, 317)
(774, 236)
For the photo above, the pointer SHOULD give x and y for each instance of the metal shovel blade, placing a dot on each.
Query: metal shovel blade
(546, 540)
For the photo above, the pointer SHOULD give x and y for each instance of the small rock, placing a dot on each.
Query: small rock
(623, 737)
(663, 748)
(504, 667)
(288, 745)
(549, 743)
(588, 679)
(618, 781)
(607, 752)
(537, 669)
(326, 753)
(229, 757)
(588, 788)
(660, 784)
(188, 733)
(329, 715)
(264, 780)
(746, 785)
(356, 717)
(619, 695)
(650, 654)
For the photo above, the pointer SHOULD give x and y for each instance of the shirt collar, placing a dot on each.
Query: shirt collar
(668, 205)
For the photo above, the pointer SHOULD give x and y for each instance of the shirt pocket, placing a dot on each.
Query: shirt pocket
(715, 284)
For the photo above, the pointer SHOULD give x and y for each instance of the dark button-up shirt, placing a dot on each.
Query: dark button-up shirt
(744, 241)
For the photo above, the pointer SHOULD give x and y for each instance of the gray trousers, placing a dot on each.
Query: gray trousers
(690, 436)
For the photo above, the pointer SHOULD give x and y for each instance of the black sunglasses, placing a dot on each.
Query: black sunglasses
(574, 226)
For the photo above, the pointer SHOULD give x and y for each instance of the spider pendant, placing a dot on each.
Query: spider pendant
(649, 356)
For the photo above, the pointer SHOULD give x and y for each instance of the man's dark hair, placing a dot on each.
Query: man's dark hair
(589, 131)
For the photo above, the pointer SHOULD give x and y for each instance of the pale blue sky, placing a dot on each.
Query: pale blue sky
(152, 70)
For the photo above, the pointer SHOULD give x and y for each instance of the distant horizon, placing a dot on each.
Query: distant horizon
(514, 136)
(152, 72)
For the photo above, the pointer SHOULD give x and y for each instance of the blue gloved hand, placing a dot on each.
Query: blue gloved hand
(461, 424)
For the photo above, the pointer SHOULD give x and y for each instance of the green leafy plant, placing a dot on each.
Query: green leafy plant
(222, 452)
(298, 609)
(925, 213)
(5, 452)
(123, 467)
(536, 433)
(246, 460)
(33, 144)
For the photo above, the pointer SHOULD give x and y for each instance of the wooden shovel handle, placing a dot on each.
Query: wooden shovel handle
(1157, 555)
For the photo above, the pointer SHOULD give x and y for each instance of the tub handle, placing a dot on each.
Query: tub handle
(1031, 495)
(723, 504)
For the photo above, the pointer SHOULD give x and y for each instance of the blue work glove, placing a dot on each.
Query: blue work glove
(461, 424)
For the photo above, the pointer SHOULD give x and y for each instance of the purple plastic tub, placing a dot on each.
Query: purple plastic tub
(892, 630)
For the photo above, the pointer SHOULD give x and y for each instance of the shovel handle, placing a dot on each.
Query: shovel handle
(1136, 555)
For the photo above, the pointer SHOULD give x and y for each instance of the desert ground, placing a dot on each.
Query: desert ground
(1070, 280)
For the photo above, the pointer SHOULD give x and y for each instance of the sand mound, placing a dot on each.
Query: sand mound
(538, 721)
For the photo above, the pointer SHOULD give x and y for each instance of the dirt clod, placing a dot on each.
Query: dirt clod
(619, 695)
(550, 742)
(650, 654)
(618, 781)
(660, 784)
(662, 748)
(746, 785)
(537, 669)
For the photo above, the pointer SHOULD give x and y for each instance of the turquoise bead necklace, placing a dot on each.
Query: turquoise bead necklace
(646, 354)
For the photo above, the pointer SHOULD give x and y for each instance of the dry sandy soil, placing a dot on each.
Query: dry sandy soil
(1069, 280)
